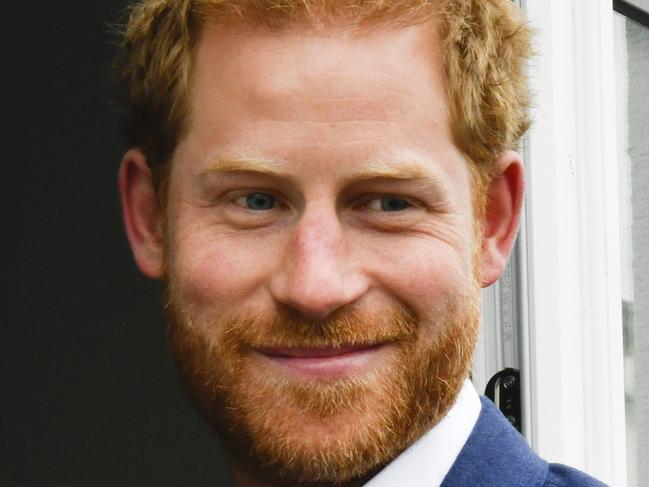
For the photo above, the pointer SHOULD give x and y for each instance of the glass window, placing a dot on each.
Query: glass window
(632, 77)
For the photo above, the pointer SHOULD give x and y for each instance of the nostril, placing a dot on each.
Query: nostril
(317, 297)
(315, 306)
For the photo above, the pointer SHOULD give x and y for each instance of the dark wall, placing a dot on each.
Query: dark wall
(90, 395)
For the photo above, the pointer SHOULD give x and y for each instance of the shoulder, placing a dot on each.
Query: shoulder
(496, 455)
(562, 476)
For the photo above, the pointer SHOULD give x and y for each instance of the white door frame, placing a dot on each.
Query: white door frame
(573, 355)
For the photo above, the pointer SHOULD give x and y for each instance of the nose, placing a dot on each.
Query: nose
(317, 274)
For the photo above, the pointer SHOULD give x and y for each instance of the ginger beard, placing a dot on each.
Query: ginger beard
(322, 431)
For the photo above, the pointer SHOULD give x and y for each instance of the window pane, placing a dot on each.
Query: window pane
(632, 75)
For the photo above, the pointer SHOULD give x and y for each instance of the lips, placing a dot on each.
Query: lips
(313, 352)
(328, 362)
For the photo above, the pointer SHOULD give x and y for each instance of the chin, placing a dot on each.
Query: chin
(329, 421)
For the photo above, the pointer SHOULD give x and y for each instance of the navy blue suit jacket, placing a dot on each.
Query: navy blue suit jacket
(496, 455)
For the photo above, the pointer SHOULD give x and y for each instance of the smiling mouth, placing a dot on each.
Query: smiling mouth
(320, 352)
(325, 362)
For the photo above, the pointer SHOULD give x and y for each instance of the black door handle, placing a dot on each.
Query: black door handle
(504, 389)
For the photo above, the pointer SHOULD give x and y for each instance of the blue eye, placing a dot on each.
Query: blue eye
(257, 201)
(389, 204)
(392, 203)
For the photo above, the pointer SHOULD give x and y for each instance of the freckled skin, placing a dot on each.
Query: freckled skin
(321, 105)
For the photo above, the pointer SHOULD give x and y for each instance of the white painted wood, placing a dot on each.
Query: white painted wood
(552, 251)
(600, 242)
(576, 384)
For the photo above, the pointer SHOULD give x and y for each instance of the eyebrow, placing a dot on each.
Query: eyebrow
(244, 163)
(402, 168)
(392, 169)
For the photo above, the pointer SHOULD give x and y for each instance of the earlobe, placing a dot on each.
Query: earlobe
(502, 214)
(142, 214)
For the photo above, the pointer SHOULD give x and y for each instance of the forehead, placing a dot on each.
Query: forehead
(300, 74)
(330, 97)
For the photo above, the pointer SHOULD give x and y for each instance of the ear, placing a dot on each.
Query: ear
(500, 225)
(142, 213)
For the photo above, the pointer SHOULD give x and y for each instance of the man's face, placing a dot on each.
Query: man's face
(322, 293)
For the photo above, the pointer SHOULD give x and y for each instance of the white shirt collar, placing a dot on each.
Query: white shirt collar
(427, 461)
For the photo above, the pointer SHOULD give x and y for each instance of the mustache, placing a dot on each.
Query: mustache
(346, 327)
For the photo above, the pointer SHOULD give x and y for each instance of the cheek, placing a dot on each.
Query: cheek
(423, 273)
(437, 283)
(219, 270)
